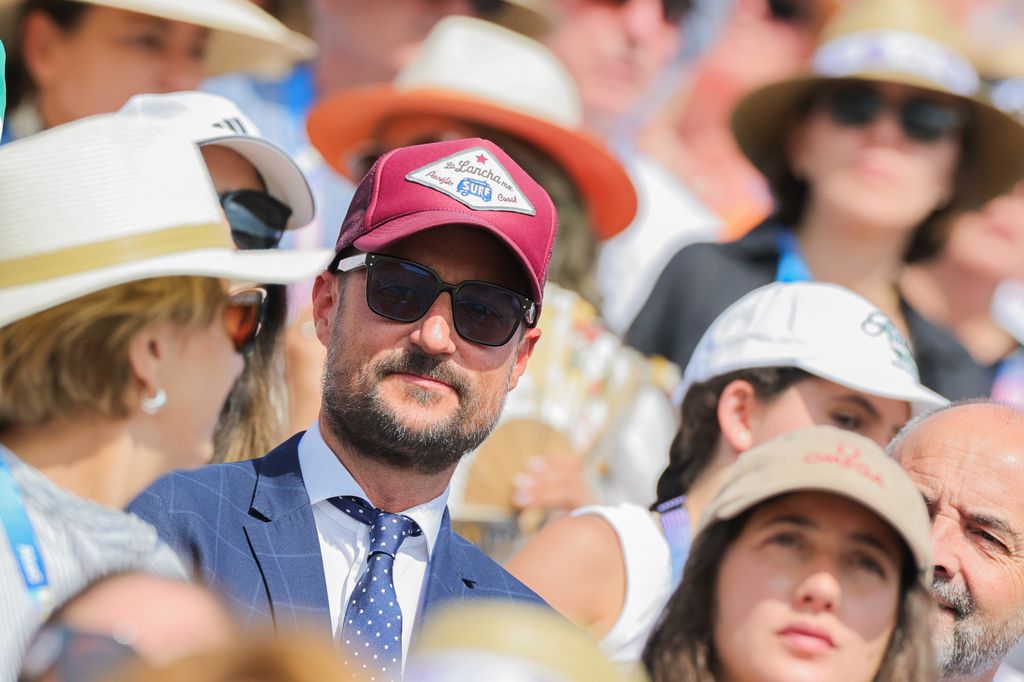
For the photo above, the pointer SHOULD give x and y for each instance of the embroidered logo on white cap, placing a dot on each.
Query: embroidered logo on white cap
(475, 178)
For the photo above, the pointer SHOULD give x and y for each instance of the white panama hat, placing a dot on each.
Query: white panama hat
(244, 37)
(823, 329)
(111, 199)
(212, 119)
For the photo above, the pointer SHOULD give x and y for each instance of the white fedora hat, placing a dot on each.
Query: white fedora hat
(212, 119)
(111, 199)
(823, 329)
(244, 37)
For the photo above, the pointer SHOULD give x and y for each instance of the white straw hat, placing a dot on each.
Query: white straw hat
(244, 38)
(111, 199)
(823, 329)
(212, 119)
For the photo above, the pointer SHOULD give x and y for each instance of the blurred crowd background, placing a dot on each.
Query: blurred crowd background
(695, 150)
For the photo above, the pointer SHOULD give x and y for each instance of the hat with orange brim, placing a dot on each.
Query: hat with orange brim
(477, 72)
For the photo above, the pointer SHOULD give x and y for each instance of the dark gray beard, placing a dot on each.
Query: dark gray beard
(359, 417)
(971, 645)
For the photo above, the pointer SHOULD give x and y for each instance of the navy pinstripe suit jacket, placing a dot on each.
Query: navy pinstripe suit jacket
(247, 530)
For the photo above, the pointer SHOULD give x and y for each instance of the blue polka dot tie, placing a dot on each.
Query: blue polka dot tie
(372, 630)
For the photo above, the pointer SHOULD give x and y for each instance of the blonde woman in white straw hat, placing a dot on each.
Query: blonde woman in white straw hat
(119, 342)
(867, 155)
(784, 357)
(76, 58)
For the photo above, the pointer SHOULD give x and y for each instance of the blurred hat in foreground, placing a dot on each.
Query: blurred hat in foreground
(506, 642)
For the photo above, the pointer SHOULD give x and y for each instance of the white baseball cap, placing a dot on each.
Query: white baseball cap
(212, 119)
(112, 199)
(823, 329)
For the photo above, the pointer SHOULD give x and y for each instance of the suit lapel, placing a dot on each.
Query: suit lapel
(449, 577)
(282, 534)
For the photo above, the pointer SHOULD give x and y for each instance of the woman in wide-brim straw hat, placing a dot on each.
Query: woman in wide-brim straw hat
(867, 156)
(76, 58)
(119, 341)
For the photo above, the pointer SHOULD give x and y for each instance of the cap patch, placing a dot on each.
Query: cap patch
(848, 457)
(475, 178)
(877, 324)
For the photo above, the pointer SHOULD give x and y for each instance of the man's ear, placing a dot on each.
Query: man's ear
(40, 47)
(327, 290)
(523, 352)
(736, 407)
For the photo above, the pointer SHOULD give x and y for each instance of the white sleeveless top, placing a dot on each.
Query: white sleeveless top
(648, 566)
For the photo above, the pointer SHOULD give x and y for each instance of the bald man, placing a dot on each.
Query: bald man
(968, 461)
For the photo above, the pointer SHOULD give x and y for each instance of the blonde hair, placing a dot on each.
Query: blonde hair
(73, 359)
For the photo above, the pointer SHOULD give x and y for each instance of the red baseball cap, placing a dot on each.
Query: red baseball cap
(455, 182)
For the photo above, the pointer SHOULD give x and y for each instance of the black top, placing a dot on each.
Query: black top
(702, 280)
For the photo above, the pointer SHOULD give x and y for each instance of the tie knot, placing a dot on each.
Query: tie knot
(387, 531)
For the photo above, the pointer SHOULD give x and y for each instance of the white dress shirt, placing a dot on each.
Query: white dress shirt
(344, 541)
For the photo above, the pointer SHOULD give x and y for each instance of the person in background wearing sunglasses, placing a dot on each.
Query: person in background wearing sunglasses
(867, 157)
(263, 194)
(428, 312)
(119, 342)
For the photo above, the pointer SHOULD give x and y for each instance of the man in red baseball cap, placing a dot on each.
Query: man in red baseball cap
(428, 312)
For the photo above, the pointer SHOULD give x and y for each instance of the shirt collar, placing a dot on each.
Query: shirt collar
(325, 477)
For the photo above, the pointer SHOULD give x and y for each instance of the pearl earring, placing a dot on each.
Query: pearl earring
(153, 404)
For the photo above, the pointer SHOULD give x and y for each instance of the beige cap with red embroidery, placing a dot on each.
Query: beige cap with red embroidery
(827, 459)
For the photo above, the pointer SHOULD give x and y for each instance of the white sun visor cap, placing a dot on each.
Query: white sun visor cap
(823, 329)
(212, 119)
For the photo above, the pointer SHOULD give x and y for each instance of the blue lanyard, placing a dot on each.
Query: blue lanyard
(675, 523)
(300, 91)
(792, 267)
(23, 539)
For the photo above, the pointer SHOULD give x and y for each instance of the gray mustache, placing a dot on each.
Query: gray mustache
(957, 597)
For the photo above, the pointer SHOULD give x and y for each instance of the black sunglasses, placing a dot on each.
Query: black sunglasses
(257, 220)
(921, 118)
(403, 291)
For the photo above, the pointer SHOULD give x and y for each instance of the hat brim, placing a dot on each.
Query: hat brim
(285, 180)
(242, 40)
(920, 398)
(342, 124)
(797, 481)
(404, 226)
(265, 267)
(995, 141)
